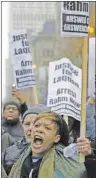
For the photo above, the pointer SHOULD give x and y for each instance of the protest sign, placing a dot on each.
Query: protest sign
(21, 60)
(64, 88)
(74, 18)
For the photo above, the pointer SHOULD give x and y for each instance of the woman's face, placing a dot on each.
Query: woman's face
(43, 136)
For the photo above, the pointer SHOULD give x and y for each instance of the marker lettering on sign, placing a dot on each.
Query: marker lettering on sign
(66, 79)
(66, 72)
(21, 51)
(26, 63)
(75, 6)
(58, 100)
(23, 72)
(75, 28)
(76, 19)
(25, 43)
(66, 91)
(68, 66)
(20, 37)
(74, 102)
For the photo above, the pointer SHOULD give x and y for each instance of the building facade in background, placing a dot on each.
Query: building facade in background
(30, 15)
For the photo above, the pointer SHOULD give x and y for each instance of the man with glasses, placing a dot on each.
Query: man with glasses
(11, 120)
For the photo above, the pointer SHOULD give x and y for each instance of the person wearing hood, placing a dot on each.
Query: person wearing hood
(13, 153)
(45, 158)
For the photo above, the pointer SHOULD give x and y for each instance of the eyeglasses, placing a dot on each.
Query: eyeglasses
(13, 108)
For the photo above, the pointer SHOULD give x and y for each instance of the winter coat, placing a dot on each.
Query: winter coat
(90, 164)
(52, 163)
(15, 130)
(12, 154)
(6, 140)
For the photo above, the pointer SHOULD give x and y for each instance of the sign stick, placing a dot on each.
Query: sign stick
(83, 92)
(34, 93)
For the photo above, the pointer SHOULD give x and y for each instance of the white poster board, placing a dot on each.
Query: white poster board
(74, 18)
(64, 88)
(21, 60)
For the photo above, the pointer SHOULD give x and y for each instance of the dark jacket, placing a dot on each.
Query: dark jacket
(23, 108)
(6, 140)
(12, 154)
(67, 167)
(28, 165)
(15, 129)
(90, 164)
(93, 143)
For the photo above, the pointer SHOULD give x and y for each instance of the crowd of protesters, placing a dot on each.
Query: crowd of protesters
(37, 143)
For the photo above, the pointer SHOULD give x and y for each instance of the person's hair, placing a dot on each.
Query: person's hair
(62, 128)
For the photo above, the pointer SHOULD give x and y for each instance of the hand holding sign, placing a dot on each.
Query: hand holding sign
(18, 94)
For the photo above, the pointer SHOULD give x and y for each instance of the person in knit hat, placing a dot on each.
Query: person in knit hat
(29, 117)
(12, 112)
(12, 153)
(11, 120)
(36, 109)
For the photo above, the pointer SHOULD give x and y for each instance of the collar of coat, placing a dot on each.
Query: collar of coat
(53, 160)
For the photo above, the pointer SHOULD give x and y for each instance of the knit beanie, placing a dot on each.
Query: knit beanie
(12, 103)
(36, 109)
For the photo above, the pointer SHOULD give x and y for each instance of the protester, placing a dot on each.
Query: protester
(6, 140)
(45, 157)
(11, 121)
(74, 128)
(90, 162)
(13, 153)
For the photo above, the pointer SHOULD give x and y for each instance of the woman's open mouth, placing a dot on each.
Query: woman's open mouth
(38, 140)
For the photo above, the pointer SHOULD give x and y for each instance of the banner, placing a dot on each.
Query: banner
(74, 18)
(21, 60)
(64, 88)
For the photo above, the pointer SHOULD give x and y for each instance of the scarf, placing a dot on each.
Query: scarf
(53, 160)
(12, 122)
